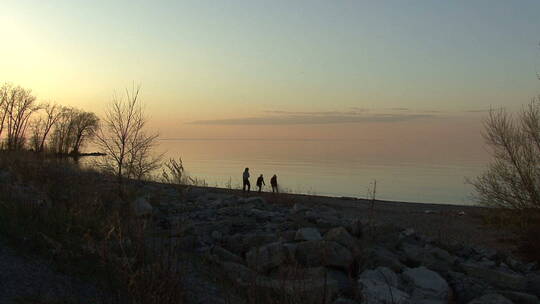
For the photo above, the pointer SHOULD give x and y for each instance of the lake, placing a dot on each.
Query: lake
(432, 174)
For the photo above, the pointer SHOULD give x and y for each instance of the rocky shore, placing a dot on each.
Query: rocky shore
(303, 250)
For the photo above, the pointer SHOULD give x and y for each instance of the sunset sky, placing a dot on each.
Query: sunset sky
(282, 69)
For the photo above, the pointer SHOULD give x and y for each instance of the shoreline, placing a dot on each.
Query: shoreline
(451, 224)
(337, 198)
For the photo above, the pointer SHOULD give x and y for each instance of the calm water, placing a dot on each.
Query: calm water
(336, 167)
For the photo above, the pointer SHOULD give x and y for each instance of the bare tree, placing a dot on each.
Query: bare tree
(85, 125)
(53, 112)
(18, 104)
(124, 139)
(36, 127)
(4, 99)
(512, 180)
(62, 136)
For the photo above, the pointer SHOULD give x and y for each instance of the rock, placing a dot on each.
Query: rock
(466, 288)
(328, 222)
(533, 284)
(383, 275)
(344, 301)
(488, 253)
(380, 256)
(520, 297)
(376, 292)
(310, 289)
(409, 232)
(290, 250)
(217, 235)
(288, 236)
(193, 193)
(439, 259)
(224, 255)
(427, 284)
(263, 215)
(491, 299)
(239, 273)
(256, 200)
(188, 242)
(141, 207)
(412, 255)
(240, 243)
(505, 279)
(308, 234)
(312, 216)
(5, 177)
(264, 258)
(341, 236)
(323, 253)
(297, 208)
(431, 257)
(356, 228)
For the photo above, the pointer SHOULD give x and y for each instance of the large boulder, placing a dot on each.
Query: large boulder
(520, 297)
(287, 236)
(378, 292)
(502, 278)
(466, 288)
(316, 284)
(431, 257)
(297, 208)
(5, 177)
(380, 256)
(341, 236)
(255, 200)
(323, 253)
(223, 255)
(411, 254)
(344, 301)
(439, 259)
(141, 207)
(193, 193)
(533, 284)
(263, 215)
(426, 284)
(241, 243)
(382, 274)
(239, 273)
(308, 234)
(266, 257)
(492, 298)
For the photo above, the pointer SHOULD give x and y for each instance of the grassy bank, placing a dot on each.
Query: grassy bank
(75, 218)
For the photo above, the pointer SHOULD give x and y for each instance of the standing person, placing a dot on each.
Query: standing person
(260, 182)
(245, 178)
(273, 182)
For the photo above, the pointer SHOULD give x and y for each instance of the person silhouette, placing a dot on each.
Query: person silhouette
(260, 182)
(245, 178)
(273, 183)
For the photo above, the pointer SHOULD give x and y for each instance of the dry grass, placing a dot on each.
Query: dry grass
(74, 218)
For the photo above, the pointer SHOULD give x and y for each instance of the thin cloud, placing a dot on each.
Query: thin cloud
(321, 113)
(433, 111)
(313, 118)
(477, 111)
(399, 109)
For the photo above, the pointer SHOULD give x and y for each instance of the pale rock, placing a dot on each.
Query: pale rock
(141, 207)
(427, 284)
(308, 234)
(491, 299)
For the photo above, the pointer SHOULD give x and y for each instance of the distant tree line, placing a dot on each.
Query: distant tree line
(26, 124)
(49, 128)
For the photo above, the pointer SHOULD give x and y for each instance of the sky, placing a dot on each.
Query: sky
(396, 70)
